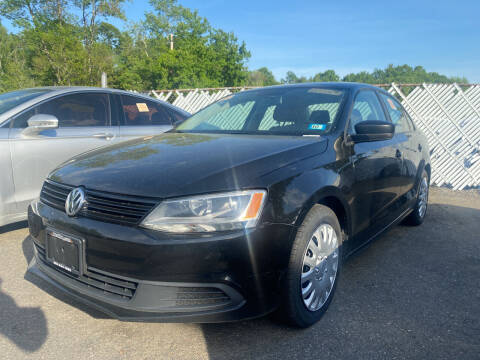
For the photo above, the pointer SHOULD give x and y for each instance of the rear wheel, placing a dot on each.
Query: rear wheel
(314, 267)
(417, 216)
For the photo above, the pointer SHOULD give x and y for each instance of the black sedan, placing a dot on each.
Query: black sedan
(250, 205)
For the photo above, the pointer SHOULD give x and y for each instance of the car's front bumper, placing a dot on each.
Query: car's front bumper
(132, 273)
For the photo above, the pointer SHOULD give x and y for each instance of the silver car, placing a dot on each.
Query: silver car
(41, 128)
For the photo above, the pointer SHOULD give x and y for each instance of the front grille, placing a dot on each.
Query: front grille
(110, 287)
(120, 209)
(34, 223)
(191, 296)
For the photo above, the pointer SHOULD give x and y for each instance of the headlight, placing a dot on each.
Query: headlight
(215, 212)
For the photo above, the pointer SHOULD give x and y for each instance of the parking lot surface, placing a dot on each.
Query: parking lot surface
(412, 293)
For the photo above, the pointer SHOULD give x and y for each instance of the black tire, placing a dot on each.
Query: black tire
(293, 309)
(416, 218)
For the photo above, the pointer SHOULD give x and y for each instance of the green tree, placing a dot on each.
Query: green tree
(363, 77)
(328, 75)
(14, 72)
(261, 77)
(62, 38)
(402, 74)
(292, 78)
(55, 54)
(202, 56)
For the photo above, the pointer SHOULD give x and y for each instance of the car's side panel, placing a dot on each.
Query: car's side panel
(368, 187)
(415, 158)
(376, 194)
(34, 157)
(408, 144)
(7, 194)
(131, 132)
(376, 188)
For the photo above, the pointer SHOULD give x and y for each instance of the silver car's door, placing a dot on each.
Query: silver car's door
(142, 117)
(7, 197)
(83, 124)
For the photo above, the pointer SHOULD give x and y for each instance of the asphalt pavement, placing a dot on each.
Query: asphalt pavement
(414, 293)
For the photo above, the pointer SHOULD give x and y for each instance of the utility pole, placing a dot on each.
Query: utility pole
(104, 80)
(171, 41)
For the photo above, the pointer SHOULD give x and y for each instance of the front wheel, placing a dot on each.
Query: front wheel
(314, 268)
(417, 216)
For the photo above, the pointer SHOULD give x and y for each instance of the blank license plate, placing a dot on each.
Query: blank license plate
(63, 252)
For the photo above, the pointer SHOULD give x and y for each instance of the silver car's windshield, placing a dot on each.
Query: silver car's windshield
(271, 111)
(11, 99)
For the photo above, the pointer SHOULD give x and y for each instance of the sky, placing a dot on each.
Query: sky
(310, 36)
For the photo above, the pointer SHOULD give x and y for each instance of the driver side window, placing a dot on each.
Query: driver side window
(73, 110)
(366, 107)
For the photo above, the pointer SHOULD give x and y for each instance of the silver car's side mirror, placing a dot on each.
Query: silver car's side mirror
(39, 123)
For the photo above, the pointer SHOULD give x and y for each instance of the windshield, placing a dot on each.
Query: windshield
(270, 111)
(11, 99)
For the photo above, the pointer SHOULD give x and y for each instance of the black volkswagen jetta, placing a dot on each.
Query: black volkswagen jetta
(248, 206)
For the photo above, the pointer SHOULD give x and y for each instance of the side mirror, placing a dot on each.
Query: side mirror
(40, 122)
(373, 130)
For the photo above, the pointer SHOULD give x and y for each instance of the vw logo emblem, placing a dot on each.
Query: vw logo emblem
(75, 201)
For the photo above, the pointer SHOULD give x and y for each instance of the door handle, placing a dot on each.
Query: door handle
(398, 154)
(103, 136)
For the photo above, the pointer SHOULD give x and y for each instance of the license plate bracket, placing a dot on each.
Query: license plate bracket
(64, 252)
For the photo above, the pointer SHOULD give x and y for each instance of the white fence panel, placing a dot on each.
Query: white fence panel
(448, 114)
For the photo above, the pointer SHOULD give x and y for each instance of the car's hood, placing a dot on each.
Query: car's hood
(176, 164)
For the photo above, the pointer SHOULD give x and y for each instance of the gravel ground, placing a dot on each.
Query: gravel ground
(412, 293)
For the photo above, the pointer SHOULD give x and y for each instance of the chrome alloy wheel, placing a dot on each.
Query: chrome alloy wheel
(320, 265)
(423, 197)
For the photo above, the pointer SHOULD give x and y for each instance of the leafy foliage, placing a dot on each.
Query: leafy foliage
(261, 77)
(401, 74)
(14, 72)
(71, 42)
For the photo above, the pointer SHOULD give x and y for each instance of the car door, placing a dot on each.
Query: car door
(409, 144)
(83, 124)
(142, 117)
(377, 171)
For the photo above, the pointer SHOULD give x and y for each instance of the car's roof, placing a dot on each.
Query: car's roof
(327, 85)
(52, 91)
(66, 89)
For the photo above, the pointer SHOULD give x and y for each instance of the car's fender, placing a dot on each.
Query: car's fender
(296, 195)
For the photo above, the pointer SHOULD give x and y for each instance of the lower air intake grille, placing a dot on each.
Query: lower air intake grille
(201, 296)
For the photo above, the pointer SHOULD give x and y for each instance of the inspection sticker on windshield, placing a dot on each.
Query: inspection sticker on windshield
(317, 127)
(392, 105)
(142, 107)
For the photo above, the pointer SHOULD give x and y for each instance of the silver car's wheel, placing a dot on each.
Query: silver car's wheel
(423, 197)
(320, 265)
(314, 268)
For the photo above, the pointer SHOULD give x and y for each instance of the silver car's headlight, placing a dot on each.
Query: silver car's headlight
(204, 213)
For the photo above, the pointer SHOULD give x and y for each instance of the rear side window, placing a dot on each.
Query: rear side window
(366, 107)
(397, 114)
(76, 110)
(141, 112)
